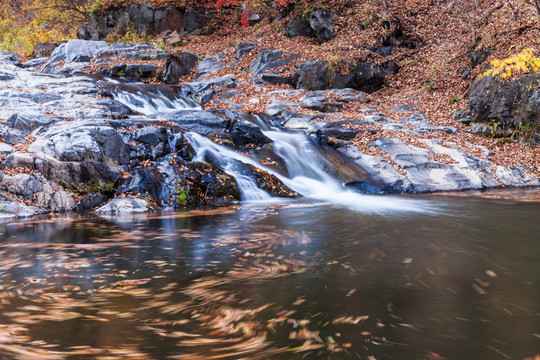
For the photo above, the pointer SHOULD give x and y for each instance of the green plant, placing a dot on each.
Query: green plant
(2, 208)
(121, 73)
(160, 45)
(96, 6)
(455, 99)
(181, 198)
(408, 61)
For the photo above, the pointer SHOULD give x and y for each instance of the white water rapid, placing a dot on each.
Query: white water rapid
(307, 174)
(307, 169)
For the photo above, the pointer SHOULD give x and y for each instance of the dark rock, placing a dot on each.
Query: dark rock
(177, 66)
(322, 23)
(34, 63)
(481, 129)
(369, 77)
(208, 66)
(202, 122)
(244, 132)
(193, 22)
(92, 200)
(269, 59)
(312, 75)
(299, 26)
(44, 49)
(276, 79)
(511, 106)
(244, 48)
(384, 51)
(151, 135)
(83, 33)
(142, 17)
(141, 71)
(204, 90)
(146, 182)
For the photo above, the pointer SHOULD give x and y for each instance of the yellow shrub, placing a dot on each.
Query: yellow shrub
(518, 64)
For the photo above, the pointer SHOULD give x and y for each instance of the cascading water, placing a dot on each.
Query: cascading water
(149, 99)
(306, 167)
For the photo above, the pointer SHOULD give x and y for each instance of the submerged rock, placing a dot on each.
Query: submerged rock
(124, 206)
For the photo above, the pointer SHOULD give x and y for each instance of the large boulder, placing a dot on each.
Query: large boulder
(74, 51)
(507, 107)
(321, 75)
(81, 141)
(318, 23)
(268, 59)
(194, 22)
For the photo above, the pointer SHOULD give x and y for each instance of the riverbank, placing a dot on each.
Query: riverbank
(93, 121)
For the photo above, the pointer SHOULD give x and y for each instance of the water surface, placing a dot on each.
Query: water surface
(290, 280)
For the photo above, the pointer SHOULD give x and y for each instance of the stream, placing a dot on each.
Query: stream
(333, 274)
(296, 279)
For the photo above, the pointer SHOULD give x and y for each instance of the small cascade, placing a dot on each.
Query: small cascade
(308, 171)
(230, 162)
(149, 99)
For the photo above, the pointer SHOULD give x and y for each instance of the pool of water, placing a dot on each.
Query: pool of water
(288, 280)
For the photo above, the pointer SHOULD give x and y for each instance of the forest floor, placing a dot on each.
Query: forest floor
(435, 58)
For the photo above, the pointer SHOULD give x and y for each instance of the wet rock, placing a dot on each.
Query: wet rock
(268, 59)
(208, 66)
(124, 206)
(204, 90)
(39, 190)
(80, 141)
(322, 23)
(14, 209)
(244, 48)
(147, 183)
(194, 22)
(177, 66)
(151, 135)
(202, 122)
(243, 133)
(44, 49)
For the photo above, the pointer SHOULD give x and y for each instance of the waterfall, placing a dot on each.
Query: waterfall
(307, 170)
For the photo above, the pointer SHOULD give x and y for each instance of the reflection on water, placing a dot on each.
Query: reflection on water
(295, 280)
